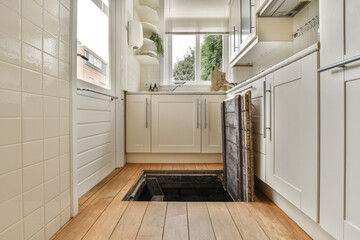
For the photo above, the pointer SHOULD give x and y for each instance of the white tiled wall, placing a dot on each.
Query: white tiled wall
(133, 72)
(150, 74)
(34, 118)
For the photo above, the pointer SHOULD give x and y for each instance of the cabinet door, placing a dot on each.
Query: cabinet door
(331, 32)
(234, 27)
(294, 134)
(138, 123)
(352, 163)
(176, 124)
(211, 124)
(352, 30)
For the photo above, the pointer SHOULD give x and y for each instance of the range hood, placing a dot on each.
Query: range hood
(282, 8)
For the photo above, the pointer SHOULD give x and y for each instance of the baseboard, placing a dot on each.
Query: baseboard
(174, 158)
(307, 224)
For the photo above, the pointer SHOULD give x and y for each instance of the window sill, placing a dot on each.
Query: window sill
(187, 87)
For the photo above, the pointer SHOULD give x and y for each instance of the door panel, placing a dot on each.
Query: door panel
(176, 123)
(138, 124)
(211, 124)
(352, 30)
(352, 167)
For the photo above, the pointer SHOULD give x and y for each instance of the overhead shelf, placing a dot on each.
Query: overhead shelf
(154, 4)
(147, 14)
(148, 28)
(146, 60)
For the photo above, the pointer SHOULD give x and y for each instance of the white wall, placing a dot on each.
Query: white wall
(34, 118)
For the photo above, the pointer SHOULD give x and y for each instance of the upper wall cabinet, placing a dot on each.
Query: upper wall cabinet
(251, 35)
(292, 133)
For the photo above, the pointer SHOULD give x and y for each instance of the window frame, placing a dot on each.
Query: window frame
(168, 79)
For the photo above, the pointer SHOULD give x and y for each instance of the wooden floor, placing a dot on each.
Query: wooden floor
(103, 214)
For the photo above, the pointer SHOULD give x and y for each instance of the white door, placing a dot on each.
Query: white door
(138, 124)
(211, 123)
(94, 126)
(176, 124)
(293, 158)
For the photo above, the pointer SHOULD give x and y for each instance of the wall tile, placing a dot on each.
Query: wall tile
(64, 88)
(64, 108)
(31, 81)
(33, 199)
(64, 163)
(40, 235)
(31, 34)
(64, 52)
(12, 210)
(65, 216)
(15, 232)
(52, 6)
(10, 158)
(52, 189)
(10, 103)
(32, 105)
(13, 4)
(52, 209)
(52, 228)
(33, 152)
(64, 70)
(10, 131)
(33, 222)
(51, 148)
(64, 145)
(51, 168)
(65, 200)
(64, 24)
(9, 22)
(31, 58)
(51, 44)
(10, 185)
(66, 3)
(32, 11)
(51, 127)
(50, 65)
(33, 176)
(64, 126)
(32, 129)
(50, 85)
(10, 77)
(10, 49)
(51, 24)
(51, 107)
(64, 181)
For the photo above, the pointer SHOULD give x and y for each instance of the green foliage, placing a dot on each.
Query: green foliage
(211, 53)
(184, 69)
(158, 41)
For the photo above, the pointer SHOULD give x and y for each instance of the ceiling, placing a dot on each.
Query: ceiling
(197, 9)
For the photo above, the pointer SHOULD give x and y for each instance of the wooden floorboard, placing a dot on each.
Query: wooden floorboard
(104, 215)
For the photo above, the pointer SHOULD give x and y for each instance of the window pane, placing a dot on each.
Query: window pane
(211, 53)
(183, 57)
(93, 42)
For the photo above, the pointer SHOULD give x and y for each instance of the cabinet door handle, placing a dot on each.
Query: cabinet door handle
(197, 113)
(265, 127)
(205, 114)
(264, 94)
(235, 47)
(146, 113)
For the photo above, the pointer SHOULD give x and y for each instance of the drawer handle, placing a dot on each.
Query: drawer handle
(339, 64)
(146, 113)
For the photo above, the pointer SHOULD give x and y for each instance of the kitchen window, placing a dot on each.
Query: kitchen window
(192, 56)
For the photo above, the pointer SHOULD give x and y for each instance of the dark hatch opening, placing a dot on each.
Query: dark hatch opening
(189, 186)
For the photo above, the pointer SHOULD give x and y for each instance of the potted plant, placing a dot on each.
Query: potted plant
(155, 37)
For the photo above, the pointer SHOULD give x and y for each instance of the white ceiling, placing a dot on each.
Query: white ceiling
(197, 9)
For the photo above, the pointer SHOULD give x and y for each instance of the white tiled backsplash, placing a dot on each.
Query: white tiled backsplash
(34, 118)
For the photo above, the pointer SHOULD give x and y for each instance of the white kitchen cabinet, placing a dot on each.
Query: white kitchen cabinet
(234, 28)
(292, 133)
(176, 123)
(138, 123)
(339, 114)
(211, 123)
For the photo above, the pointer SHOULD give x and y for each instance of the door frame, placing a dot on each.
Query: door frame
(118, 73)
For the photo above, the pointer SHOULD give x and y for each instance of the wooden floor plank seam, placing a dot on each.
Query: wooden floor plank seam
(142, 219)
(187, 219)
(235, 222)
(212, 226)
(162, 236)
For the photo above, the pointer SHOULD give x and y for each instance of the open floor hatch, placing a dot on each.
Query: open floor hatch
(196, 186)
